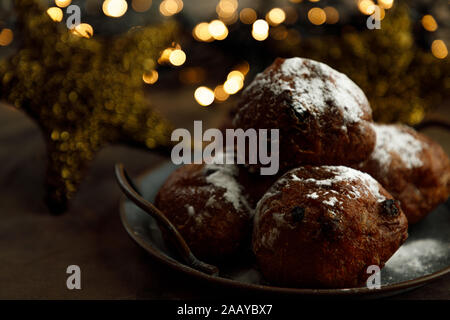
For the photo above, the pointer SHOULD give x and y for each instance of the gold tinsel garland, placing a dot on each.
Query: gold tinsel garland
(83, 93)
(401, 80)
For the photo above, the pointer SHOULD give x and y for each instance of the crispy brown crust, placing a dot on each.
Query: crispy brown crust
(323, 249)
(419, 189)
(216, 230)
(306, 138)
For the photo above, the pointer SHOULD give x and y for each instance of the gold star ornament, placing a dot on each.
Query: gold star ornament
(83, 93)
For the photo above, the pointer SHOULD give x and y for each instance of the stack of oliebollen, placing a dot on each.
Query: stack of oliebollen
(346, 189)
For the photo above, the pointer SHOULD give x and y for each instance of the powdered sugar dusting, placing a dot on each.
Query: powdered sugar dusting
(342, 173)
(314, 87)
(331, 201)
(395, 139)
(224, 176)
(313, 195)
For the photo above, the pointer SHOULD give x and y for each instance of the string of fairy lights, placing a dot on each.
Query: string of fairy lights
(271, 24)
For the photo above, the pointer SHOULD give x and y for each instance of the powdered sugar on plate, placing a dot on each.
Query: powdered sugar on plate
(416, 258)
(396, 139)
(314, 87)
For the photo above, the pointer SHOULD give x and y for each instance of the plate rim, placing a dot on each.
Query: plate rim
(179, 266)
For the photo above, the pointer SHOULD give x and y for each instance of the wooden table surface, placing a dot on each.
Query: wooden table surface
(36, 247)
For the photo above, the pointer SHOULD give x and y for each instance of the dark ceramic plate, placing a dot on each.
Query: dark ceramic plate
(424, 257)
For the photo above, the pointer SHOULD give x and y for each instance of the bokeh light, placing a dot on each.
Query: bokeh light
(204, 96)
(236, 74)
(317, 16)
(243, 67)
(226, 9)
(177, 57)
(260, 30)
(115, 8)
(276, 16)
(170, 7)
(332, 15)
(55, 13)
(83, 30)
(439, 49)
(201, 32)
(218, 30)
(150, 77)
(234, 83)
(165, 55)
(386, 4)
(429, 23)
(141, 5)
(220, 93)
(63, 3)
(6, 37)
(248, 15)
(367, 7)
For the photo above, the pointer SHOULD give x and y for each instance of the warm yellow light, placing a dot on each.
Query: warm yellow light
(55, 14)
(243, 67)
(227, 8)
(204, 96)
(165, 55)
(218, 30)
(6, 37)
(382, 12)
(332, 15)
(366, 6)
(83, 30)
(220, 93)
(115, 8)
(429, 23)
(177, 57)
(248, 15)
(439, 49)
(233, 85)
(236, 74)
(314, 0)
(228, 5)
(386, 4)
(201, 32)
(141, 5)
(276, 16)
(317, 16)
(150, 77)
(170, 7)
(63, 3)
(260, 30)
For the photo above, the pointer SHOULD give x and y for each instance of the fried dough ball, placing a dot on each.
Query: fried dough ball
(322, 227)
(323, 117)
(412, 167)
(208, 207)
